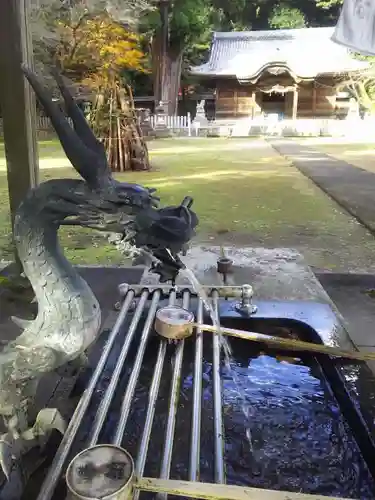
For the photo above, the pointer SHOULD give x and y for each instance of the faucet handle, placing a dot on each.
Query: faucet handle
(246, 305)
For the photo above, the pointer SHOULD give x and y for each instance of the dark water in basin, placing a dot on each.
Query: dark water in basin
(300, 441)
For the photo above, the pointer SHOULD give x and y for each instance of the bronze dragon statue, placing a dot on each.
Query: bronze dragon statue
(69, 318)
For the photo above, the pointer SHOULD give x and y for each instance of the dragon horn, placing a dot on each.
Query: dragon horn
(83, 159)
(80, 124)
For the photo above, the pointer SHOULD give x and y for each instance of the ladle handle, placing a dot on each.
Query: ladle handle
(291, 344)
(211, 491)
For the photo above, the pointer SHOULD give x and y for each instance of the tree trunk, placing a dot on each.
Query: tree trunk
(156, 67)
(166, 63)
(171, 80)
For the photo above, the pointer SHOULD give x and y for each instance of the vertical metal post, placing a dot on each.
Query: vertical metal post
(194, 466)
(17, 103)
(153, 395)
(173, 406)
(218, 399)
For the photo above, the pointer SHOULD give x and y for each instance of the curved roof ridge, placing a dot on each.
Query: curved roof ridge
(243, 53)
(253, 34)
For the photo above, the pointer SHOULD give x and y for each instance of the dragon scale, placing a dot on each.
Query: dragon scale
(69, 317)
(68, 313)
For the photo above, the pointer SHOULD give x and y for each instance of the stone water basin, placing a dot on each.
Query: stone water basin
(310, 417)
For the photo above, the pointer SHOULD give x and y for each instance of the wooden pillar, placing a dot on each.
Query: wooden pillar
(286, 104)
(295, 103)
(314, 100)
(217, 90)
(17, 101)
(254, 102)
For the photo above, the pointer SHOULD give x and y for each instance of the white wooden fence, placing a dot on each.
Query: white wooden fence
(304, 127)
(43, 125)
(184, 125)
(173, 122)
(271, 126)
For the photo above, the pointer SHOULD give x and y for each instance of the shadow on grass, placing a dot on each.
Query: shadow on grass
(250, 193)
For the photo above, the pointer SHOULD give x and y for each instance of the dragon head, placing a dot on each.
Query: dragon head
(103, 203)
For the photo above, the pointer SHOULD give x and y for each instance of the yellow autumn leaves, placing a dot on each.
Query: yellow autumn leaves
(97, 49)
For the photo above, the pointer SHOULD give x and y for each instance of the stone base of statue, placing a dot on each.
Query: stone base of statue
(144, 120)
(161, 128)
(200, 123)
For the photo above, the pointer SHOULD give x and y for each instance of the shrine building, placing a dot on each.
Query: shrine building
(294, 73)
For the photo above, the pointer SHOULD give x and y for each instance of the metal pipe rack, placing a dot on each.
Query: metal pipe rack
(149, 296)
(138, 307)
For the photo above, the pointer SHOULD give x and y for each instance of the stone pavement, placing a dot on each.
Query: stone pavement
(353, 295)
(351, 187)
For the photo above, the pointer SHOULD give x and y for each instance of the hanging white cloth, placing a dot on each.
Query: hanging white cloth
(356, 26)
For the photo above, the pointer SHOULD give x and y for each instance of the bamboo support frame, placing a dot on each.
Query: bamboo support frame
(291, 344)
(114, 120)
(192, 489)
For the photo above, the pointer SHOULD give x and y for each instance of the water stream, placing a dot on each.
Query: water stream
(130, 250)
(299, 439)
(225, 345)
(223, 340)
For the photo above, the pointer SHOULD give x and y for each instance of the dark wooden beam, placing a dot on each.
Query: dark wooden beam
(314, 100)
(295, 103)
(253, 103)
(17, 102)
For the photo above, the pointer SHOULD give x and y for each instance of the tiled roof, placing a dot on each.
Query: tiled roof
(306, 52)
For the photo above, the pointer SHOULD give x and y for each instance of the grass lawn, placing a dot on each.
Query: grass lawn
(244, 193)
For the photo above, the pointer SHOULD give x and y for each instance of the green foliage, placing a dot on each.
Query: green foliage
(189, 22)
(284, 16)
(329, 4)
(230, 16)
(361, 57)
